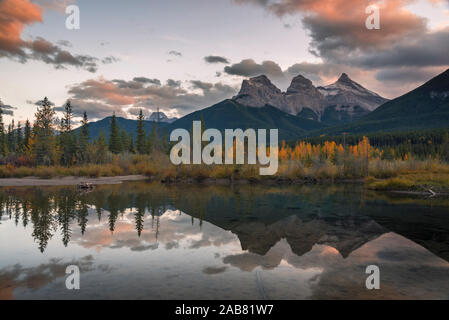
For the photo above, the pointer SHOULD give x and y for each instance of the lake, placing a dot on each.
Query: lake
(142, 240)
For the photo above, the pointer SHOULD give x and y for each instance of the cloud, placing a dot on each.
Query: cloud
(405, 75)
(100, 97)
(64, 43)
(249, 68)
(423, 51)
(15, 15)
(109, 60)
(216, 59)
(175, 53)
(205, 86)
(7, 109)
(147, 80)
(342, 42)
(173, 83)
(338, 26)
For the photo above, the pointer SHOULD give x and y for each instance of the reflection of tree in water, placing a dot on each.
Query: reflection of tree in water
(42, 218)
(53, 208)
(258, 215)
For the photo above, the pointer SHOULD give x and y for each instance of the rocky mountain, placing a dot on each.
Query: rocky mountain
(340, 102)
(161, 117)
(422, 108)
(259, 92)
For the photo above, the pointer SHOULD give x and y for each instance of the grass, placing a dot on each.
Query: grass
(377, 174)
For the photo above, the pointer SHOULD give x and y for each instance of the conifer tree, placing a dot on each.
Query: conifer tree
(44, 147)
(27, 135)
(140, 134)
(115, 144)
(2, 135)
(101, 148)
(19, 139)
(84, 138)
(67, 138)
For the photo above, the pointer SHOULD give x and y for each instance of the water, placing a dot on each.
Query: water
(144, 240)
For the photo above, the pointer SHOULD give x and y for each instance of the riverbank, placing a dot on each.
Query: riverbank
(66, 181)
(427, 176)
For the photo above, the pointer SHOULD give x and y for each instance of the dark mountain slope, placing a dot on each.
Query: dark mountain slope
(230, 114)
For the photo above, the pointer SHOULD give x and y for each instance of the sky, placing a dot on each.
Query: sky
(184, 55)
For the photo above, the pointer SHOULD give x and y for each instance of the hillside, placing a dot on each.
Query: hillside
(229, 114)
(425, 107)
(129, 125)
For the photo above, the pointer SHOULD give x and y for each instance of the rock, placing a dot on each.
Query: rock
(345, 96)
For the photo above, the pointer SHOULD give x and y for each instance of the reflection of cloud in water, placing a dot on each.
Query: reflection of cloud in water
(173, 227)
(407, 269)
(214, 270)
(34, 278)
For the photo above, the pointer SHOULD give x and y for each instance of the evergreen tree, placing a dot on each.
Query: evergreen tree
(101, 148)
(444, 149)
(19, 139)
(153, 141)
(27, 135)
(131, 148)
(43, 128)
(2, 135)
(67, 138)
(115, 144)
(10, 138)
(140, 134)
(84, 138)
(125, 143)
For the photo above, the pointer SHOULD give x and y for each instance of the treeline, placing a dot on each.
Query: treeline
(423, 144)
(52, 141)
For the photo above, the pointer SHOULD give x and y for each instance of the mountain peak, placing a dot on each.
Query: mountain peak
(298, 84)
(261, 80)
(161, 117)
(344, 78)
(258, 92)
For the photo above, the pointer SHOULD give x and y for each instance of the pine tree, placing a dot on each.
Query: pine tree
(140, 134)
(131, 148)
(19, 139)
(115, 144)
(84, 138)
(2, 135)
(101, 148)
(444, 149)
(27, 136)
(10, 138)
(124, 138)
(153, 140)
(67, 138)
(68, 115)
(44, 147)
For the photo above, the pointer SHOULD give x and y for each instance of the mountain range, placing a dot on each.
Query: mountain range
(161, 117)
(342, 101)
(304, 110)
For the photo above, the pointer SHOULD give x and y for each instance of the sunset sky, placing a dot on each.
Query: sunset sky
(183, 55)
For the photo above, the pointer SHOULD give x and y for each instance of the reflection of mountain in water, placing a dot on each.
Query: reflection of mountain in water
(343, 217)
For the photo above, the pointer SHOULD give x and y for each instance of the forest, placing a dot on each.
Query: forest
(50, 147)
